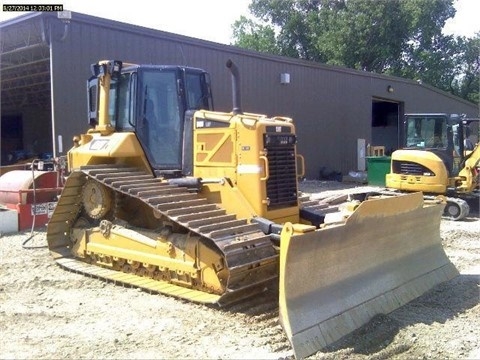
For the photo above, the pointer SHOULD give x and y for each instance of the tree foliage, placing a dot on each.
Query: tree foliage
(395, 37)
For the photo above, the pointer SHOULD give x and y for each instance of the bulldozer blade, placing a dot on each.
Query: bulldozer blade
(335, 279)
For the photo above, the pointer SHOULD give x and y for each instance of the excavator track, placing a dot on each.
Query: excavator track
(456, 209)
(251, 259)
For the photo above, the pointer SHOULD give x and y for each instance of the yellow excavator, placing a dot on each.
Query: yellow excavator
(438, 158)
(165, 194)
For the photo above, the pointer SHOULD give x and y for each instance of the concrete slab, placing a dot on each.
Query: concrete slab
(8, 221)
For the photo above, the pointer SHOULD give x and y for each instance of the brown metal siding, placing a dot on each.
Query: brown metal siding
(331, 107)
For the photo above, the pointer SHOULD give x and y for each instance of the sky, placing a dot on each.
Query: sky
(208, 19)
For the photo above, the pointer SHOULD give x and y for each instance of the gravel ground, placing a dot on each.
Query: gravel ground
(47, 312)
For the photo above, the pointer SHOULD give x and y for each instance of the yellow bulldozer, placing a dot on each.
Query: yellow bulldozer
(165, 194)
(439, 158)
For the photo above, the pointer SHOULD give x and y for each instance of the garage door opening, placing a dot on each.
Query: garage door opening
(12, 139)
(385, 124)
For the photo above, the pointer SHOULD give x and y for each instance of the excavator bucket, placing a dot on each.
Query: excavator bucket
(335, 279)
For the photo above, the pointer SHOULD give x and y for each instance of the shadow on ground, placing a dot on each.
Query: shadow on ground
(440, 304)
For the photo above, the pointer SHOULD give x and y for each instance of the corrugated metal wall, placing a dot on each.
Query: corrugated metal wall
(331, 107)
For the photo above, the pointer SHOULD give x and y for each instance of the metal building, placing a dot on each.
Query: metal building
(46, 57)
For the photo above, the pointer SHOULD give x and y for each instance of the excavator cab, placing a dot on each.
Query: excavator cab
(152, 101)
(444, 135)
(436, 133)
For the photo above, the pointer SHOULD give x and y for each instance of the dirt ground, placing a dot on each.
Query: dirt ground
(49, 313)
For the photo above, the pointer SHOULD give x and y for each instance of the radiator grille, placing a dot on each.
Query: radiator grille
(282, 182)
(409, 168)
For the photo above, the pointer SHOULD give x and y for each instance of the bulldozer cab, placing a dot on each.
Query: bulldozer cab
(153, 101)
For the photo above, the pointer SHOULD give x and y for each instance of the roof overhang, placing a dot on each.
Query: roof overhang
(24, 63)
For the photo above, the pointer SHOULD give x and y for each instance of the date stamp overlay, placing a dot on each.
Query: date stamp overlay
(31, 7)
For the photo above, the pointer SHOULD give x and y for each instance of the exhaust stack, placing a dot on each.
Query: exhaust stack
(236, 98)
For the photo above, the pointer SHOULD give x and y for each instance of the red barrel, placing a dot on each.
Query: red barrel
(16, 187)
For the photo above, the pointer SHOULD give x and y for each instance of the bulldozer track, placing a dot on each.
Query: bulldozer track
(246, 249)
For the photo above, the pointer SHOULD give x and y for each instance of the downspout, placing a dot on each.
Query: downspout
(48, 40)
(52, 97)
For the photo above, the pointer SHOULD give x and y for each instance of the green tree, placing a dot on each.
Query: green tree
(466, 82)
(396, 37)
(253, 36)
